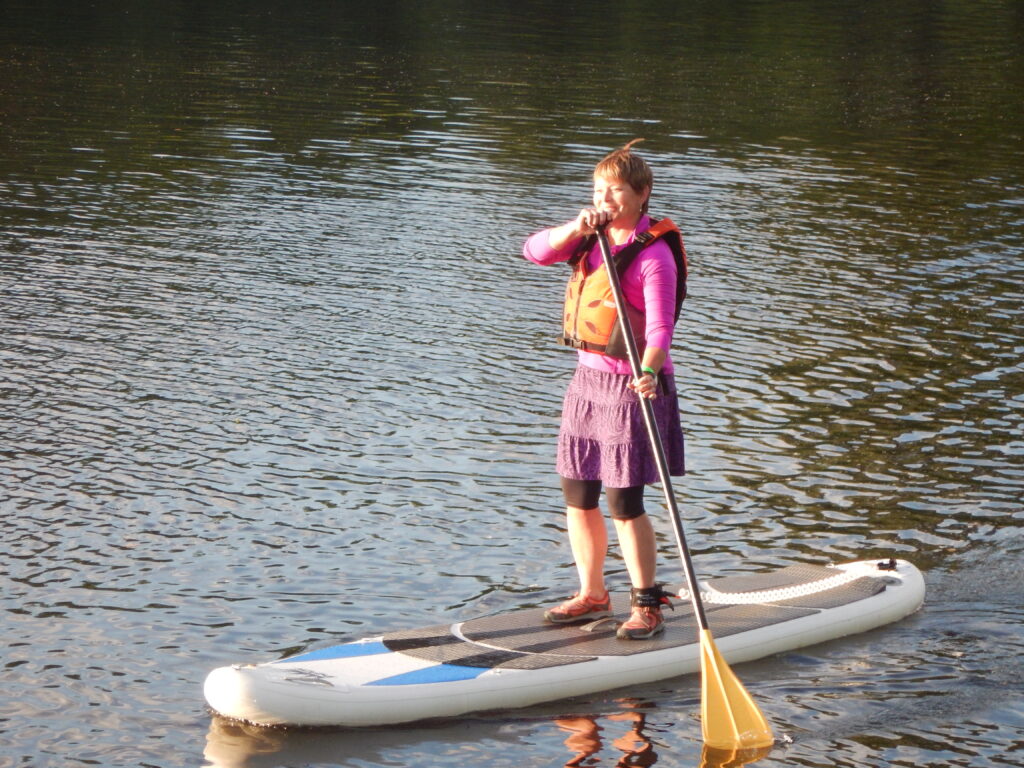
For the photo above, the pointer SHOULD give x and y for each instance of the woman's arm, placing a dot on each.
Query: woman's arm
(657, 277)
(558, 243)
(657, 274)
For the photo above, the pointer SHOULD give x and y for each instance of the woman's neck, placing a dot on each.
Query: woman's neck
(619, 232)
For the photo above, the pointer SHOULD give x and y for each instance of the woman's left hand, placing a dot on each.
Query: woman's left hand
(646, 386)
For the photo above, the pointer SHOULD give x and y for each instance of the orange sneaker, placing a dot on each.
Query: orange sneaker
(580, 608)
(643, 624)
(646, 620)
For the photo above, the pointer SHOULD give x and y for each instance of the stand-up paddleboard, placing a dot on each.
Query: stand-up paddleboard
(517, 659)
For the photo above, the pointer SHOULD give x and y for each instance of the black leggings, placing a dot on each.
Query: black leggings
(623, 503)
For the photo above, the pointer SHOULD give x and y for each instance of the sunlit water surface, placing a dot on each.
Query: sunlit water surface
(275, 375)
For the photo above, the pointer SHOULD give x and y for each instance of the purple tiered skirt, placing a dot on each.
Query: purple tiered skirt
(603, 436)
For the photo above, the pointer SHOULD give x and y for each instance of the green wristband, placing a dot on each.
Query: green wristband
(648, 369)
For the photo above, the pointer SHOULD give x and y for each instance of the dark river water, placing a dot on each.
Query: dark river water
(273, 372)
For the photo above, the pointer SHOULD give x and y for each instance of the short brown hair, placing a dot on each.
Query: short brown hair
(629, 167)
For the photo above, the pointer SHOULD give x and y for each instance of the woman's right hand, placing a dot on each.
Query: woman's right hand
(586, 223)
(589, 219)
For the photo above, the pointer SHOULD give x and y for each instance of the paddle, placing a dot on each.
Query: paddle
(730, 719)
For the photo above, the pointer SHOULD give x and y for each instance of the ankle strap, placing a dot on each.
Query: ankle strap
(650, 597)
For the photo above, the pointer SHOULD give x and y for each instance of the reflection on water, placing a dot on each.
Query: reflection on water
(618, 738)
(272, 372)
(586, 739)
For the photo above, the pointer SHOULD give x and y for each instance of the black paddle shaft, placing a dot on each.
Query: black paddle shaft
(652, 428)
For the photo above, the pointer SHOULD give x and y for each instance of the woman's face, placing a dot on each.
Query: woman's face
(618, 198)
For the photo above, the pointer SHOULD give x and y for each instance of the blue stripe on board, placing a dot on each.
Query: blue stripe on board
(346, 651)
(439, 673)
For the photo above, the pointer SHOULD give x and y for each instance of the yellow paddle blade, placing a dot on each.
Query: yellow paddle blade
(729, 717)
(731, 758)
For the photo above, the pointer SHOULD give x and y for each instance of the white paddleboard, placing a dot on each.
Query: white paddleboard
(517, 659)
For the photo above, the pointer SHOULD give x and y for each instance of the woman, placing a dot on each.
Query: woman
(603, 441)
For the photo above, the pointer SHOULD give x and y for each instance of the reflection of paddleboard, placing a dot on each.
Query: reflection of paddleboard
(516, 659)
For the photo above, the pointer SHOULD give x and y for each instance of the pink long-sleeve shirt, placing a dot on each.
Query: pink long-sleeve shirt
(648, 284)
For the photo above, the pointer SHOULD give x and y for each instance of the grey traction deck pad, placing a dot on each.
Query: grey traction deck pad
(523, 640)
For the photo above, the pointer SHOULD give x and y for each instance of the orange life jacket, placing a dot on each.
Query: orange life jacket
(590, 320)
